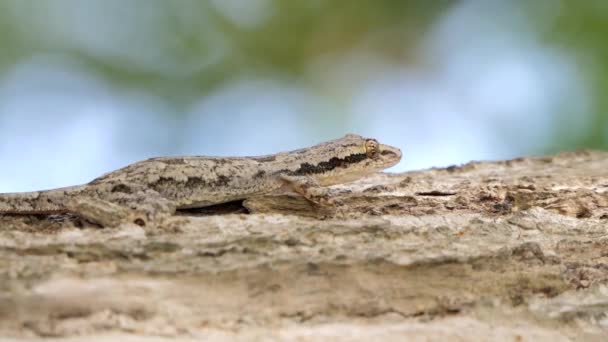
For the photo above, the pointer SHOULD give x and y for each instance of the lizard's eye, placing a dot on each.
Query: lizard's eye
(371, 148)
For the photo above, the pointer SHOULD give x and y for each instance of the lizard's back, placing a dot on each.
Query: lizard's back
(185, 181)
(193, 181)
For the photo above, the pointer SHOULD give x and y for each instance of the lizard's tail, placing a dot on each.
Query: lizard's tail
(36, 202)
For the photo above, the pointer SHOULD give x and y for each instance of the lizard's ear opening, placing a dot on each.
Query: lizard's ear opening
(372, 148)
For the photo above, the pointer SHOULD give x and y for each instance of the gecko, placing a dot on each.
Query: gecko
(149, 190)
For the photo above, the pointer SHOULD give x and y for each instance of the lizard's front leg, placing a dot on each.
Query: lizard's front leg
(309, 188)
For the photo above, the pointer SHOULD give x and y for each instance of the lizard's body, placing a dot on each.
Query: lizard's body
(162, 185)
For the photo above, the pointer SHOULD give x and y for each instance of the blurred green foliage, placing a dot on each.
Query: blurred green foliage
(203, 48)
(581, 28)
(188, 48)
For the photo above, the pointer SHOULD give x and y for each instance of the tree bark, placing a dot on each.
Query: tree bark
(508, 250)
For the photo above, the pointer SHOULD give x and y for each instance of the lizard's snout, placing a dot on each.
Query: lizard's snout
(390, 155)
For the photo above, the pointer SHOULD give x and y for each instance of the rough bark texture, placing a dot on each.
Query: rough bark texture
(514, 250)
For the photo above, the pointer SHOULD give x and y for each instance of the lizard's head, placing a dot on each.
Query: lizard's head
(347, 159)
(368, 154)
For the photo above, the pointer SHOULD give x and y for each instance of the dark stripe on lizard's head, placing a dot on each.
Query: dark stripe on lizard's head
(325, 166)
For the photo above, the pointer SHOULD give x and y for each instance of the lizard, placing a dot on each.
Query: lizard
(148, 190)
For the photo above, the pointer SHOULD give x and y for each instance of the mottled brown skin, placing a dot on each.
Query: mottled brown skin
(161, 185)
